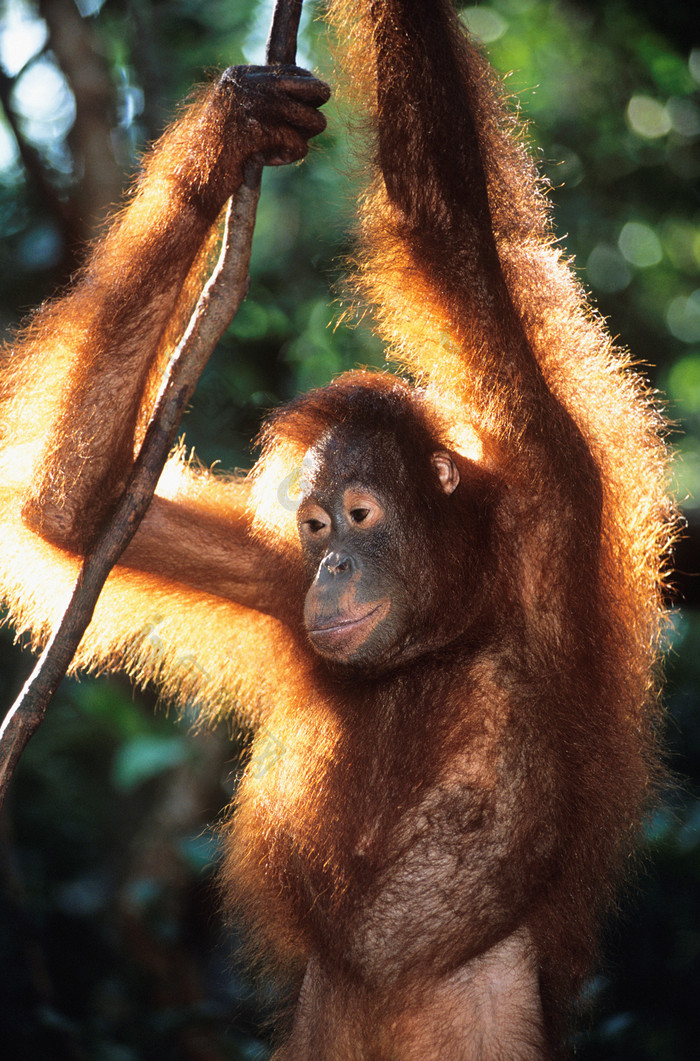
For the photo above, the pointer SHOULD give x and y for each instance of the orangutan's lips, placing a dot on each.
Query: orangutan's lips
(341, 637)
(344, 624)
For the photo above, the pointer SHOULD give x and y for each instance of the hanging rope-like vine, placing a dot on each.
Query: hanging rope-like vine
(216, 307)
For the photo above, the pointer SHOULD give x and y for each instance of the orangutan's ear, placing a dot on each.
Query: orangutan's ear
(446, 470)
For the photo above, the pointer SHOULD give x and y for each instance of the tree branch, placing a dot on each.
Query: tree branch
(217, 305)
(72, 41)
(35, 168)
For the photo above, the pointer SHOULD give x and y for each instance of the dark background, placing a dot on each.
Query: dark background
(111, 947)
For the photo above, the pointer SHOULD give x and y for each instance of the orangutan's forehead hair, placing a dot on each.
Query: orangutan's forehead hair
(358, 411)
(354, 453)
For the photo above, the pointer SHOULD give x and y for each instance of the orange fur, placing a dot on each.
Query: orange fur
(450, 833)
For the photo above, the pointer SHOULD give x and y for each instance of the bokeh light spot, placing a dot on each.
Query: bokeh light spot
(648, 118)
(607, 270)
(640, 245)
(683, 317)
(484, 23)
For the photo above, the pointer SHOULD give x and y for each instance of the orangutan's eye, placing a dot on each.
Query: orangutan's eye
(315, 526)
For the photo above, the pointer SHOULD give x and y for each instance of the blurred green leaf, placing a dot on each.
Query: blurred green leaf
(143, 758)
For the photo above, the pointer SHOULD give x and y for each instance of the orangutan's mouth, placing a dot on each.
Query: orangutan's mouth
(343, 635)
